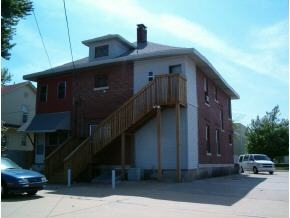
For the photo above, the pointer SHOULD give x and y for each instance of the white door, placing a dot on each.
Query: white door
(40, 148)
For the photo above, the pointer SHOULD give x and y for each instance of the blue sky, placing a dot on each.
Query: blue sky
(246, 41)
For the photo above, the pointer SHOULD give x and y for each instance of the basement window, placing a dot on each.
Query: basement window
(102, 51)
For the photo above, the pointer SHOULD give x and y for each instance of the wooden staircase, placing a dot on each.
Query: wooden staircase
(165, 91)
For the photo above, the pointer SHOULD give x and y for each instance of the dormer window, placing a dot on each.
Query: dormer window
(101, 51)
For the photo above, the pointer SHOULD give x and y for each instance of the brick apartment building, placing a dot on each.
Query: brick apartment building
(145, 105)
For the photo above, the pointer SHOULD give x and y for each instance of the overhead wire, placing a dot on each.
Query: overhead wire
(68, 33)
(41, 37)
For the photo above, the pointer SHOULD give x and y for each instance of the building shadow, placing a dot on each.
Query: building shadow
(219, 190)
(19, 197)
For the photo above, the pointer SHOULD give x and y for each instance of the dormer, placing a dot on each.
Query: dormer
(107, 47)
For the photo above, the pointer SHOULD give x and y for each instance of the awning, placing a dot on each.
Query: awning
(50, 122)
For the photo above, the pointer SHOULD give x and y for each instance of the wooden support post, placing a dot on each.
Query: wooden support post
(178, 143)
(123, 141)
(158, 128)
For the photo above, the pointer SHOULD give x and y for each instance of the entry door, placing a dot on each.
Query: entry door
(92, 128)
(40, 148)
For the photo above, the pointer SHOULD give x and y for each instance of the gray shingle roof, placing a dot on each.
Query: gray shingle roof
(142, 51)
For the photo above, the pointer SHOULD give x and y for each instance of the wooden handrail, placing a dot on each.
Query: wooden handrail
(55, 159)
(164, 90)
(78, 159)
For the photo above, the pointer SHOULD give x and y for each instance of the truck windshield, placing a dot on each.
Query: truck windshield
(261, 157)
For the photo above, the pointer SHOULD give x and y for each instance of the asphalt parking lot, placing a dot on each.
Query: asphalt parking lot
(246, 195)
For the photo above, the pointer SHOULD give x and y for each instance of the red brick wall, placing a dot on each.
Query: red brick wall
(209, 114)
(90, 106)
(53, 104)
(94, 106)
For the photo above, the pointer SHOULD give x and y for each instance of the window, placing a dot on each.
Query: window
(216, 93)
(43, 93)
(205, 88)
(246, 158)
(217, 141)
(101, 51)
(222, 119)
(230, 139)
(24, 117)
(175, 68)
(61, 90)
(150, 76)
(229, 108)
(207, 139)
(24, 113)
(101, 81)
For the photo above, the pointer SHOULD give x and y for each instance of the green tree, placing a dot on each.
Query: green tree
(11, 12)
(5, 76)
(269, 135)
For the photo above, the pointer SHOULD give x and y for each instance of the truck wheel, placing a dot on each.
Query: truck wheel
(271, 172)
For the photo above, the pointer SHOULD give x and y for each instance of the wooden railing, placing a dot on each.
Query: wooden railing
(78, 159)
(164, 90)
(54, 160)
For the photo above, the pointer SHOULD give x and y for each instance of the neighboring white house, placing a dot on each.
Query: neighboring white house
(17, 110)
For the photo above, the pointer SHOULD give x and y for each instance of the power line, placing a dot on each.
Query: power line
(42, 39)
(68, 33)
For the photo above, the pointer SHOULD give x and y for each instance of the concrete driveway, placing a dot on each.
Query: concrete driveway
(246, 195)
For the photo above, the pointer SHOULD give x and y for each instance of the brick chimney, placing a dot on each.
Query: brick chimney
(141, 33)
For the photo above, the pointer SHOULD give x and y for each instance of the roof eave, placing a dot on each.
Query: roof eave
(208, 68)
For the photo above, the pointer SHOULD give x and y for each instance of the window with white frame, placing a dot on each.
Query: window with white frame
(217, 140)
(229, 108)
(24, 110)
(207, 139)
(216, 93)
(205, 88)
(222, 119)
